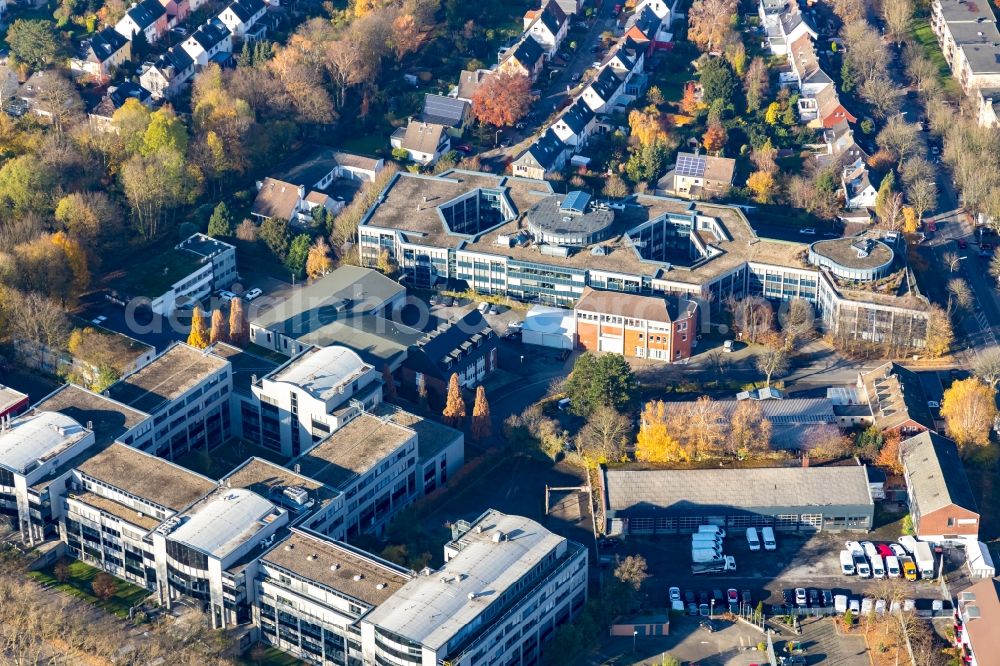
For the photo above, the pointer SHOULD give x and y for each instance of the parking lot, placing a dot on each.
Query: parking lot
(801, 560)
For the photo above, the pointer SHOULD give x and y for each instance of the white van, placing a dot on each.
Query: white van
(768, 534)
(712, 529)
(878, 566)
(712, 539)
(846, 564)
(840, 604)
(892, 566)
(752, 539)
(861, 565)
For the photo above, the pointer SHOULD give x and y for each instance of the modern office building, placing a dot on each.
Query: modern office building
(372, 461)
(440, 449)
(311, 593)
(309, 397)
(36, 452)
(111, 421)
(675, 501)
(506, 585)
(478, 230)
(186, 391)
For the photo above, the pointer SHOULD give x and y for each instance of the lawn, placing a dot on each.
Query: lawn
(81, 576)
(924, 35)
(269, 656)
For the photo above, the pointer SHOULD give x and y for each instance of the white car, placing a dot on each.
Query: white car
(515, 325)
(675, 594)
(866, 606)
(933, 404)
(880, 606)
(897, 550)
(854, 606)
(252, 294)
(226, 295)
(483, 307)
(854, 547)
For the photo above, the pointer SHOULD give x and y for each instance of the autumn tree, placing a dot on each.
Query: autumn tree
(648, 125)
(388, 383)
(940, 334)
(199, 336)
(502, 99)
(454, 408)
(715, 138)
(615, 187)
(889, 455)
(756, 84)
(319, 262)
(689, 102)
(104, 586)
(220, 329)
(749, 432)
(763, 186)
(481, 424)
(239, 328)
(710, 24)
(969, 408)
(655, 443)
(604, 437)
(76, 259)
(773, 358)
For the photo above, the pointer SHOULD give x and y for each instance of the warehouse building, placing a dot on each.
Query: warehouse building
(671, 501)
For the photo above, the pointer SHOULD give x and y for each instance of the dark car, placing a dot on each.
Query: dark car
(703, 597)
(607, 544)
(718, 597)
(692, 609)
(827, 598)
(448, 301)
(462, 148)
(688, 597)
(813, 597)
(746, 598)
(707, 625)
(788, 597)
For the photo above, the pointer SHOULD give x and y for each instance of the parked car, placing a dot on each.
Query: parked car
(494, 310)
(788, 597)
(897, 550)
(840, 603)
(854, 606)
(448, 301)
(674, 593)
(483, 307)
(733, 596)
(516, 325)
(703, 609)
(800, 596)
(253, 293)
(745, 597)
(707, 625)
(462, 148)
(882, 548)
(688, 597)
(867, 604)
(807, 231)
(226, 295)
(813, 597)
(880, 606)
(827, 598)
(692, 609)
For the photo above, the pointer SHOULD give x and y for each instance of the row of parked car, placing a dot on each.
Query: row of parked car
(705, 604)
(909, 559)
(840, 602)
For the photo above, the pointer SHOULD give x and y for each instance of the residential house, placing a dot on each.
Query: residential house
(784, 25)
(527, 58)
(859, 191)
(423, 142)
(809, 78)
(957, 22)
(101, 55)
(989, 106)
(979, 66)
(548, 26)
(696, 176)
(211, 42)
(655, 327)
(841, 148)
(942, 504)
(664, 11)
(177, 11)
(645, 28)
(169, 74)
(469, 82)
(546, 155)
(315, 393)
(575, 125)
(287, 201)
(570, 7)
(241, 17)
(116, 96)
(829, 110)
(896, 399)
(449, 112)
(602, 93)
(976, 620)
(148, 17)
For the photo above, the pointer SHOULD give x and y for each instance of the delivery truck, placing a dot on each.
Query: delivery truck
(923, 556)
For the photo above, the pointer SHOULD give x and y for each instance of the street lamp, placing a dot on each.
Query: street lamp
(711, 608)
(496, 139)
(635, 632)
(951, 264)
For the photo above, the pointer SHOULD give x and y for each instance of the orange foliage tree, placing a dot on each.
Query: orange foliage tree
(502, 99)
(715, 138)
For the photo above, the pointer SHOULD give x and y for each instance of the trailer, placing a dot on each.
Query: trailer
(725, 563)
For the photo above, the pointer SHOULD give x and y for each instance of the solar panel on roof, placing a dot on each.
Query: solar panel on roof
(690, 165)
(576, 201)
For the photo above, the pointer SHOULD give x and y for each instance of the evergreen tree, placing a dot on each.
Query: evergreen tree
(220, 329)
(239, 329)
(885, 192)
(221, 222)
(298, 254)
(481, 425)
(198, 337)
(454, 408)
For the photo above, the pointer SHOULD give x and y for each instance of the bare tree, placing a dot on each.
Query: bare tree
(605, 435)
(959, 296)
(891, 216)
(898, 15)
(988, 366)
(883, 94)
(772, 359)
(709, 24)
(752, 316)
(865, 54)
(900, 138)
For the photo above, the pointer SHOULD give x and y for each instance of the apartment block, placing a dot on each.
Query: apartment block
(186, 391)
(506, 585)
(311, 593)
(35, 451)
(309, 397)
(976, 619)
(373, 462)
(440, 449)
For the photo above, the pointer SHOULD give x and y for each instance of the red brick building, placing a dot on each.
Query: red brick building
(655, 327)
(12, 402)
(941, 500)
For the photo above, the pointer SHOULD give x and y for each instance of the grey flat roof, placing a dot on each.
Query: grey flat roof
(174, 372)
(791, 411)
(108, 417)
(844, 251)
(431, 610)
(562, 214)
(688, 490)
(352, 450)
(432, 436)
(223, 521)
(147, 477)
(336, 565)
(245, 366)
(982, 58)
(965, 11)
(266, 478)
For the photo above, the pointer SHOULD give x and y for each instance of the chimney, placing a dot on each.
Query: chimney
(805, 460)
